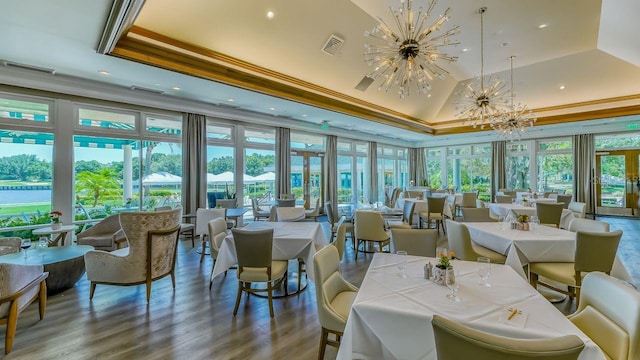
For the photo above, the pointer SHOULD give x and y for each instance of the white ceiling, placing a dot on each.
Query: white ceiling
(578, 49)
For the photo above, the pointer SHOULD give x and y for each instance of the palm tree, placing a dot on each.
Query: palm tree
(103, 182)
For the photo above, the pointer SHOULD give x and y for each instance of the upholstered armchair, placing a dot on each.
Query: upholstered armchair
(20, 285)
(151, 255)
(106, 235)
(460, 242)
(9, 245)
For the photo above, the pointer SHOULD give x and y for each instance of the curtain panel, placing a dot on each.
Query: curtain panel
(417, 165)
(283, 161)
(373, 171)
(194, 164)
(584, 153)
(331, 171)
(498, 167)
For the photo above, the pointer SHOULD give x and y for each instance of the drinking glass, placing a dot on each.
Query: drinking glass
(43, 243)
(402, 263)
(453, 285)
(534, 222)
(441, 251)
(484, 270)
(25, 245)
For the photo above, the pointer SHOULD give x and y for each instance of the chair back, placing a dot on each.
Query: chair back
(609, 314)
(163, 208)
(476, 215)
(455, 341)
(316, 209)
(286, 202)
(419, 242)
(412, 194)
(217, 233)
(596, 251)
(469, 199)
(10, 245)
(546, 194)
(329, 283)
(588, 225)
(287, 197)
(407, 212)
(289, 214)
(503, 199)
(369, 225)
(579, 209)
(341, 236)
(549, 213)
(511, 193)
(203, 216)
(460, 241)
(273, 214)
(394, 196)
(435, 205)
(227, 203)
(480, 203)
(565, 200)
(254, 205)
(253, 248)
(328, 210)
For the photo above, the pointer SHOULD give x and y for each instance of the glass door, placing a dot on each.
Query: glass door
(306, 177)
(617, 190)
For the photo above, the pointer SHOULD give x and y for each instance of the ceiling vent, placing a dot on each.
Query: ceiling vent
(333, 45)
(16, 65)
(147, 90)
(364, 83)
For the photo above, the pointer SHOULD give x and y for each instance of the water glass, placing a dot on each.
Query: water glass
(484, 270)
(401, 256)
(453, 285)
(534, 222)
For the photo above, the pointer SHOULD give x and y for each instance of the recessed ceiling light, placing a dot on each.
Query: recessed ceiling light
(231, 99)
(104, 72)
(272, 109)
(176, 88)
(465, 49)
(542, 26)
(504, 44)
(271, 14)
(562, 87)
(429, 95)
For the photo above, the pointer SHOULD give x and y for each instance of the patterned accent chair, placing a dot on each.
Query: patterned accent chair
(9, 245)
(106, 235)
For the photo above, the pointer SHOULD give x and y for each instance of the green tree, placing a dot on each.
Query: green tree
(98, 184)
(220, 165)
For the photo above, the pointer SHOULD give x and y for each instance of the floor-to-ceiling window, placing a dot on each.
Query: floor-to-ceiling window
(517, 165)
(352, 157)
(307, 163)
(392, 168)
(555, 165)
(259, 164)
(434, 168)
(220, 162)
(469, 169)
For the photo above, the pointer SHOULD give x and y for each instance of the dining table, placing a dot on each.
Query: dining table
(540, 244)
(391, 315)
(503, 210)
(291, 240)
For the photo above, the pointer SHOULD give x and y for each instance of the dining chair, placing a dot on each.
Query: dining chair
(187, 230)
(406, 222)
(564, 199)
(503, 199)
(255, 264)
(273, 214)
(105, 235)
(341, 236)
(151, 255)
(419, 242)
(546, 194)
(290, 214)
(369, 228)
(334, 297)
(579, 209)
(217, 232)
(549, 214)
(588, 225)
(609, 314)
(10, 245)
(455, 341)
(287, 196)
(480, 204)
(286, 203)
(20, 286)
(412, 194)
(476, 215)
(203, 216)
(595, 251)
(434, 213)
(333, 220)
(394, 196)
(468, 201)
(257, 212)
(460, 243)
(512, 193)
(313, 213)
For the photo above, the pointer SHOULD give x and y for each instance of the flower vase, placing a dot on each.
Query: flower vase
(56, 226)
(439, 275)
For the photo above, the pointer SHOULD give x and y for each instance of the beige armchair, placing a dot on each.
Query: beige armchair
(434, 213)
(151, 255)
(369, 228)
(460, 243)
(9, 245)
(217, 233)
(257, 212)
(419, 242)
(476, 215)
(609, 314)
(334, 296)
(341, 236)
(588, 225)
(203, 216)
(503, 199)
(290, 214)
(333, 220)
(407, 217)
(106, 235)
(549, 214)
(20, 285)
(314, 212)
(579, 209)
(564, 199)
(455, 341)
(594, 252)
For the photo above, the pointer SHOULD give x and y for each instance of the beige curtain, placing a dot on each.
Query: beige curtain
(373, 171)
(417, 165)
(331, 171)
(498, 167)
(283, 161)
(194, 162)
(584, 154)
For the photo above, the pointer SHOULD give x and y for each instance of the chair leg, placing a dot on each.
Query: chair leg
(323, 343)
(533, 280)
(148, 290)
(173, 279)
(235, 309)
(300, 262)
(92, 290)
(204, 248)
(270, 297)
(42, 299)
(12, 322)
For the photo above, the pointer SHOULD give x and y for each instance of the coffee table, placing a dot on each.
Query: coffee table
(62, 232)
(65, 264)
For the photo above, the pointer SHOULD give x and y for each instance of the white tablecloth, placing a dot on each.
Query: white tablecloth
(391, 316)
(291, 240)
(421, 205)
(545, 244)
(502, 210)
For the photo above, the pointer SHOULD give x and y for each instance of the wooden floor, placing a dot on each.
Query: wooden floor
(192, 322)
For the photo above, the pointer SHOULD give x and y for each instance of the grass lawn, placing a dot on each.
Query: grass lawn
(8, 209)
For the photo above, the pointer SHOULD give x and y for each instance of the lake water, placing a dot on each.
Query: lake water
(24, 196)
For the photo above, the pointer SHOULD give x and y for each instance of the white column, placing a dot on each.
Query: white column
(62, 196)
(127, 173)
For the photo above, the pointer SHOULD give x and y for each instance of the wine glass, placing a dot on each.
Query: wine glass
(484, 270)
(450, 280)
(534, 221)
(402, 263)
(25, 245)
(441, 251)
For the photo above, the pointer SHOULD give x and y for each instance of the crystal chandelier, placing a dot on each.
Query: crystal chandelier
(482, 105)
(514, 121)
(409, 54)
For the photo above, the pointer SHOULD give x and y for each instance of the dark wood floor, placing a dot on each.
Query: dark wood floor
(193, 322)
